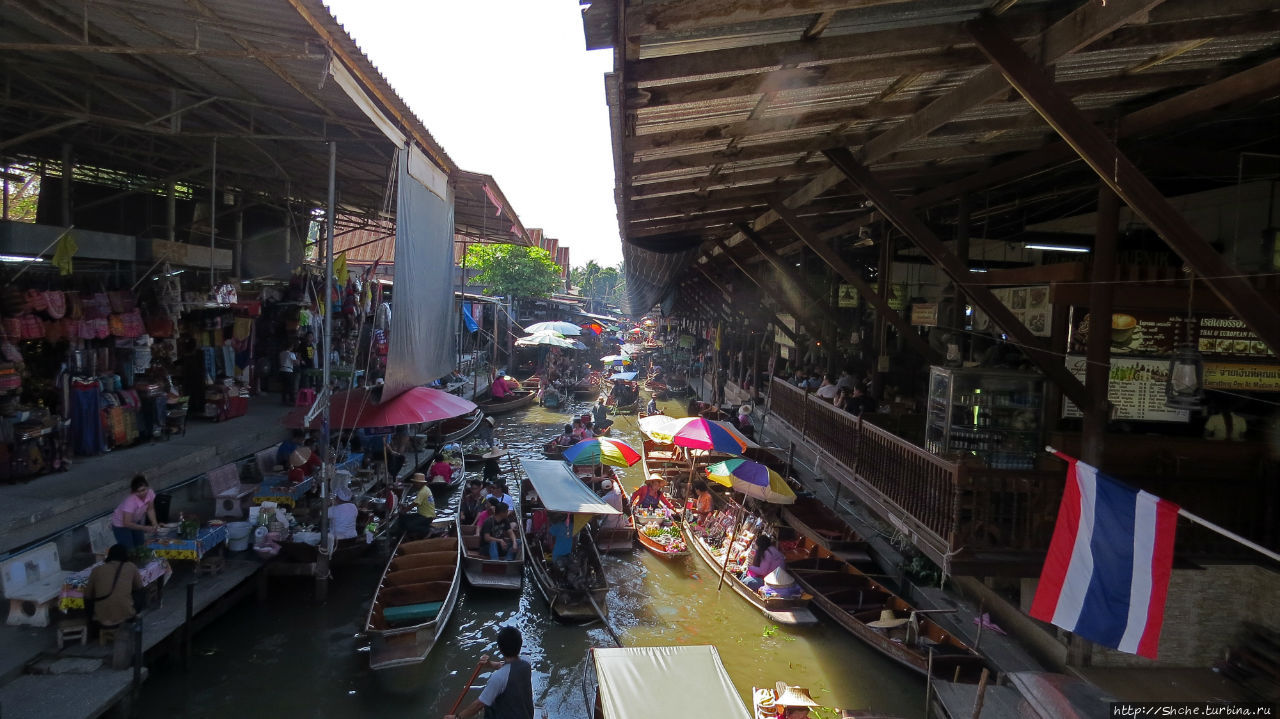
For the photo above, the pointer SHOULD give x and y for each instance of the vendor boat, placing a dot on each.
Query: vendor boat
(879, 617)
(783, 610)
(510, 403)
(415, 597)
(486, 573)
(660, 530)
(578, 595)
(456, 429)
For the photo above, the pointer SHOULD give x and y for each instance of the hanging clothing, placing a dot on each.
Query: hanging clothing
(86, 420)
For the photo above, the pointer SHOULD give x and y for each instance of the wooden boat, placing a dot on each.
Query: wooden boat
(486, 573)
(512, 402)
(625, 408)
(586, 388)
(793, 611)
(553, 450)
(476, 459)
(414, 599)
(617, 538)
(455, 429)
(667, 518)
(578, 595)
(818, 523)
(854, 600)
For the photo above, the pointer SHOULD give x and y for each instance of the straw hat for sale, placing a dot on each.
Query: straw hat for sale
(418, 478)
(794, 697)
(887, 620)
(299, 456)
(779, 578)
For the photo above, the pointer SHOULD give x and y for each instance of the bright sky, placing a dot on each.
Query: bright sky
(508, 89)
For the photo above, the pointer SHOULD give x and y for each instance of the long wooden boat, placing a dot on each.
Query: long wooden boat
(414, 599)
(486, 573)
(855, 600)
(665, 518)
(818, 523)
(570, 596)
(617, 538)
(455, 429)
(790, 611)
(516, 400)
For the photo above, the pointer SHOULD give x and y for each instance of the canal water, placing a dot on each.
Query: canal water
(290, 657)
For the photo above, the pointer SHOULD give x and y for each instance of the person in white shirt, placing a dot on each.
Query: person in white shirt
(342, 515)
(288, 362)
(827, 390)
(614, 499)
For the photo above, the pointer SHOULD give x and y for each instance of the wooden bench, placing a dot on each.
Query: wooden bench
(32, 582)
(229, 496)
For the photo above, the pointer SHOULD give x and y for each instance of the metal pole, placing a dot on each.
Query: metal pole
(322, 561)
(187, 631)
(213, 206)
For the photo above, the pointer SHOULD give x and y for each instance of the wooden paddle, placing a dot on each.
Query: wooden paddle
(484, 661)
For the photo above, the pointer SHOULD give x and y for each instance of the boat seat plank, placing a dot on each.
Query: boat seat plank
(412, 613)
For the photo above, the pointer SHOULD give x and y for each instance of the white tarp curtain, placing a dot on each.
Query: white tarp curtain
(692, 678)
(422, 331)
(560, 489)
(358, 96)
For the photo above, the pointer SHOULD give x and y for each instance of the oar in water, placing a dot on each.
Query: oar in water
(483, 662)
(600, 613)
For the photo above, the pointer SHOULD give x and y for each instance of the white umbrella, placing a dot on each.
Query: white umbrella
(568, 329)
(547, 339)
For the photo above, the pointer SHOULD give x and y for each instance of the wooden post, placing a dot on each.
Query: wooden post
(963, 211)
(982, 690)
(928, 682)
(1099, 348)
(885, 278)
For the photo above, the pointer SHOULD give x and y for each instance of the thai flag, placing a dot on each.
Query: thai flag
(1107, 572)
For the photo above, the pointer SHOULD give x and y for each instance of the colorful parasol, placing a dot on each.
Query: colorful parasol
(701, 433)
(752, 479)
(602, 450)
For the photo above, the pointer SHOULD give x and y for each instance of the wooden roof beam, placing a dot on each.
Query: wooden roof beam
(1119, 173)
(853, 277)
(681, 15)
(924, 238)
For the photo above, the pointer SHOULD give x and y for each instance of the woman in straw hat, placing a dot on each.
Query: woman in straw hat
(794, 702)
(649, 495)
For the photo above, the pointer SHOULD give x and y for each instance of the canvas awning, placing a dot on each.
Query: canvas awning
(561, 490)
(695, 674)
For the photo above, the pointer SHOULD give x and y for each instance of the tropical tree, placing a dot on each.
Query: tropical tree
(513, 270)
(599, 284)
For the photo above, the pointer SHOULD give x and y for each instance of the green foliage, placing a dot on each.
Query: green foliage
(23, 195)
(602, 284)
(514, 271)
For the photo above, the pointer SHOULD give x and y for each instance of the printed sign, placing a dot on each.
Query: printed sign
(1135, 387)
(1242, 377)
(1030, 305)
(848, 297)
(779, 336)
(1153, 333)
(924, 314)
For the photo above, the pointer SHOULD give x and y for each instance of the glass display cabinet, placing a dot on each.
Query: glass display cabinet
(995, 415)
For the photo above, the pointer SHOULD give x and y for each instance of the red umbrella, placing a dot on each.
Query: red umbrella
(362, 408)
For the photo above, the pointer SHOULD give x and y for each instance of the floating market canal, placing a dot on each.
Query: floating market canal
(296, 658)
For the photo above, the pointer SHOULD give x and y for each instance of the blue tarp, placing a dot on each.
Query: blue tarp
(466, 317)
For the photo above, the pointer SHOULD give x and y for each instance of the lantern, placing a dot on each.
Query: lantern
(1184, 389)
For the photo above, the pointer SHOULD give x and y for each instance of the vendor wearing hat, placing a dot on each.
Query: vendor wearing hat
(600, 416)
(649, 496)
(794, 703)
(745, 426)
(298, 465)
(780, 584)
(342, 515)
(764, 560)
(441, 471)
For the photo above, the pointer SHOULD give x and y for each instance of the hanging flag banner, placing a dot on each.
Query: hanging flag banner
(1106, 576)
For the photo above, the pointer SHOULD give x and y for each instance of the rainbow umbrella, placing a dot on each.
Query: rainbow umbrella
(602, 450)
(752, 479)
(710, 435)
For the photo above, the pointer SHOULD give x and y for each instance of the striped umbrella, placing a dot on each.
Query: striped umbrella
(752, 479)
(710, 435)
(602, 450)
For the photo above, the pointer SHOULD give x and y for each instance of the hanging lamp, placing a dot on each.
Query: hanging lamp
(1184, 387)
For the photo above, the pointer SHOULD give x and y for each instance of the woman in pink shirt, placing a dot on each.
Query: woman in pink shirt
(765, 559)
(136, 515)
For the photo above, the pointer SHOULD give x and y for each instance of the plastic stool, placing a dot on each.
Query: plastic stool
(73, 630)
(306, 397)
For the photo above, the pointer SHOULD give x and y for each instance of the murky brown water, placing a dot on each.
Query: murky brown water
(290, 658)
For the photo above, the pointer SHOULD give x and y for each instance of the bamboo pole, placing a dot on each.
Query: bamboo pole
(982, 691)
(484, 660)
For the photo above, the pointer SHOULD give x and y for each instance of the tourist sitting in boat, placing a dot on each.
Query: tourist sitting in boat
(703, 504)
(649, 496)
(509, 692)
(764, 560)
(579, 432)
(486, 510)
(441, 471)
(498, 491)
(794, 703)
(566, 438)
(600, 417)
(472, 497)
(500, 533)
(561, 540)
(613, 498)
(652, 407)
(342, 515)
(535, 529)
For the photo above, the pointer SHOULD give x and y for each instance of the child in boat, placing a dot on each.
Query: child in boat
(566, 439)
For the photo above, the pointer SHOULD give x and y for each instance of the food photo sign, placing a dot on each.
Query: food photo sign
(1030, 305)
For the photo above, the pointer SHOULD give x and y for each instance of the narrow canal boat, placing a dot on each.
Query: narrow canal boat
(414, 599)
(577, 591)
(455, 429)
(510, 403)
(692, 679)
(819, 524)
(877, 616)
(485, 573)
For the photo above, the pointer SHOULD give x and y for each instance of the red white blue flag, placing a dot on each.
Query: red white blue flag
(1107, 572)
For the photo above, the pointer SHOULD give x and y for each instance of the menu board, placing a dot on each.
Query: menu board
(1154, 333)
(1135, 387)
(1030, 305)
